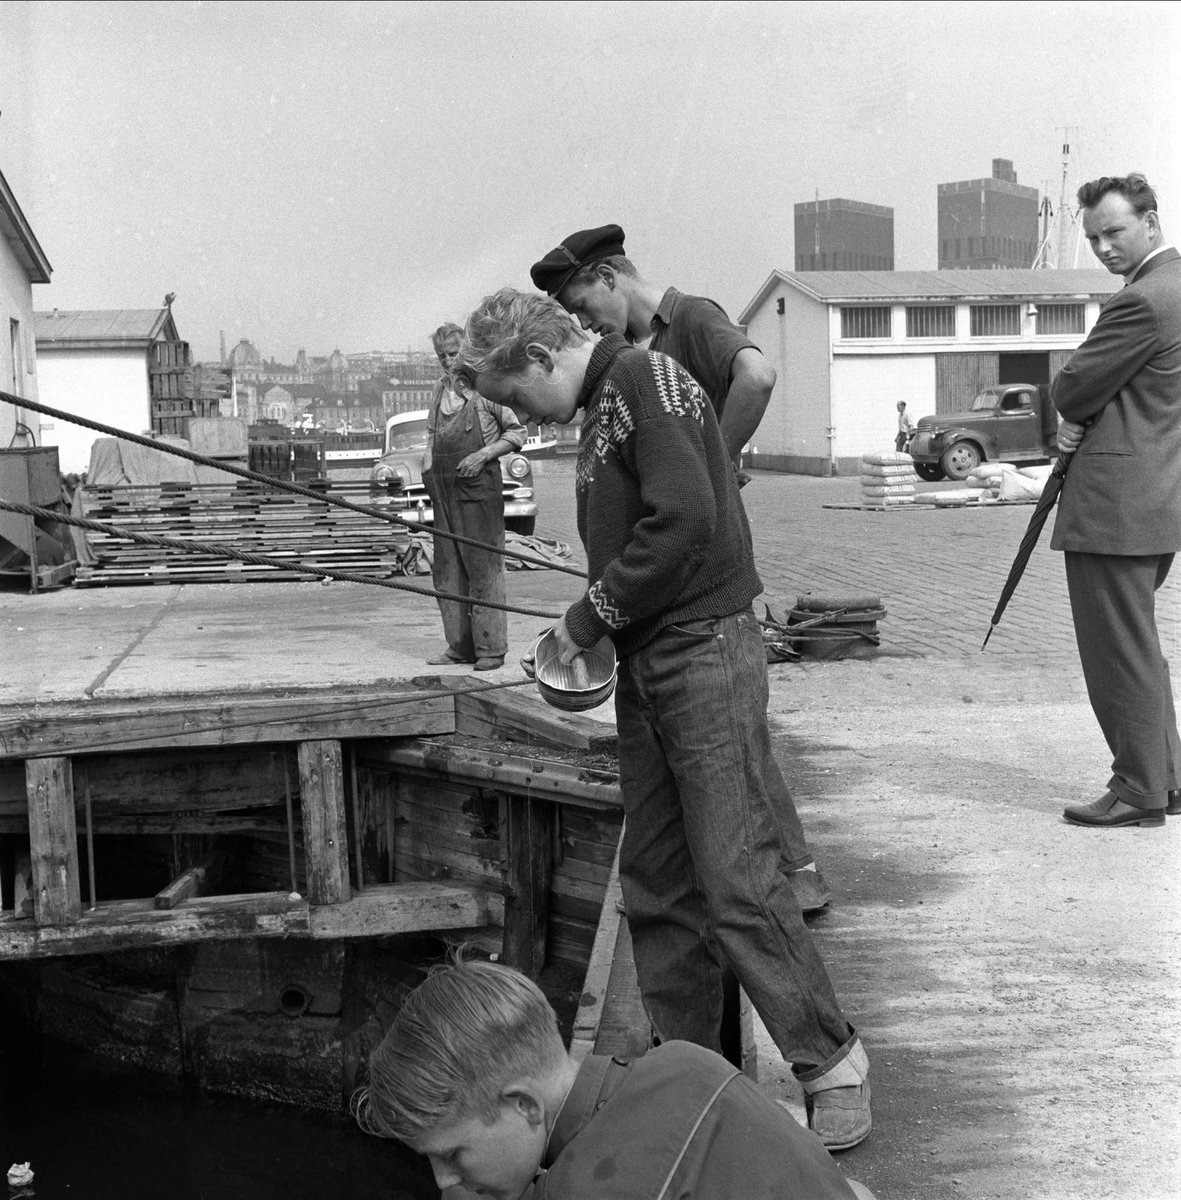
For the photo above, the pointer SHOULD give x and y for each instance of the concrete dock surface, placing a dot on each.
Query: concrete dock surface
(1015, 978)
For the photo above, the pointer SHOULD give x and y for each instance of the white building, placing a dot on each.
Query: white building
(98, 365)
(848, 345)
(22, 264)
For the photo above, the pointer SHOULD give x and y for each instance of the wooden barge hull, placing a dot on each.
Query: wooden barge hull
(270, 869)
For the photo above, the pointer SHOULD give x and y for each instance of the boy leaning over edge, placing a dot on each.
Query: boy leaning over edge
(473, 1074)
(671, 565)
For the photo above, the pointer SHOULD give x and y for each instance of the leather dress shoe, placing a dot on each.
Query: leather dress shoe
(1173, 806)
(1110, 812)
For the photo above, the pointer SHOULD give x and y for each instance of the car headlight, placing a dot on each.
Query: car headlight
(383, 472)
(518, 467)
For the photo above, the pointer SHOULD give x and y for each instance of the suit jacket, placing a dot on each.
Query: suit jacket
(1122, 493)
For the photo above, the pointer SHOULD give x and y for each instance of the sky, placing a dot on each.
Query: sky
(349, 175)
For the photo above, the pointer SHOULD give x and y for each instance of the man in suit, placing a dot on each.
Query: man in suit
(1119, 518)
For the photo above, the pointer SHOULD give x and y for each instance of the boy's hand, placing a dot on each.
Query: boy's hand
(568, 648)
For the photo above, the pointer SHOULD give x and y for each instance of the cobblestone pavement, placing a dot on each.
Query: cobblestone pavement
(939, 572)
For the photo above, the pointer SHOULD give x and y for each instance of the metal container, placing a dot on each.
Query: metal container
(583, 684)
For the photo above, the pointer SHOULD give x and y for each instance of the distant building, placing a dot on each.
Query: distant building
(109, 365)
(847, 346)
(988, 224)
(844, 235)
(22, 264)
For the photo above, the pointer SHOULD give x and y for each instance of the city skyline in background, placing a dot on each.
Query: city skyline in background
(350, 176)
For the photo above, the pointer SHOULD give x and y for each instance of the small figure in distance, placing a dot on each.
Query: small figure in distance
(905, 427)
(473, 1074)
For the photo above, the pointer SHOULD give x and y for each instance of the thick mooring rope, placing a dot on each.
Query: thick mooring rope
(282, 485)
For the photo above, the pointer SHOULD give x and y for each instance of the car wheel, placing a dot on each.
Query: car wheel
(960, 460)
(522, 526)
(931, 472)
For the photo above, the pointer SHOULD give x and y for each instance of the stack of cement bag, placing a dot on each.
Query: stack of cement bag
(1003, 481)
(887, 480)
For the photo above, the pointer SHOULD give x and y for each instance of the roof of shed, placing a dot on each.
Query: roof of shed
(99, 328)
(925, 286)
(15, 227)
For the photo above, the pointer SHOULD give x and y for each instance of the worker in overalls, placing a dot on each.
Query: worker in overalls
(466, 437)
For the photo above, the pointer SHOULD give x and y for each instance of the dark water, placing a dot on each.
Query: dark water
(93, 1131)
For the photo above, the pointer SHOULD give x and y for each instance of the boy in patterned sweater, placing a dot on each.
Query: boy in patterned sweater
(672, 577)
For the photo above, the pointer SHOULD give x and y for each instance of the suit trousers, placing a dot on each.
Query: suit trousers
(1113, 601)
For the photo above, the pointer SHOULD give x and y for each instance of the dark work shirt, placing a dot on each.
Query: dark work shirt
(697, 333)
(680, 1124)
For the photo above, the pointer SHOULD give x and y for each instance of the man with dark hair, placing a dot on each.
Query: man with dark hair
(1119, 519)
(591, 277)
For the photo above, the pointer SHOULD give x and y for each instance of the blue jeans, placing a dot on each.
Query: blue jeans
(700, 862)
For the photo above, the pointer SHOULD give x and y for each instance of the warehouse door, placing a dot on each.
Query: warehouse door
(1024, 367)
(958, 377)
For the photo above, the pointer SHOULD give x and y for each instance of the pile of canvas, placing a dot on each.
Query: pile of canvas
(887, 480)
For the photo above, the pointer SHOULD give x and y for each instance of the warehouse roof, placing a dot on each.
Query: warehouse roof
(16, 228)
(104, 329)
(926, 286)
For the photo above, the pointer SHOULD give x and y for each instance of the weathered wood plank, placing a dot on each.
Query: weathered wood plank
(532, 775)
(128, 924)
(513, 717)
(53, 841)
(598, 970)
(321, 798)
(195, 881)
(528, 842)
(407, 908)
(22, 891)
(102, 727)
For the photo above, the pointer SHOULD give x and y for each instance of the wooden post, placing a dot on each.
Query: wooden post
(325, 835)
(528, 847)
(53, 841)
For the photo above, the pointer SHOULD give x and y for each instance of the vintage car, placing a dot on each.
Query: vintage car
(1011, 422)
(405, 445)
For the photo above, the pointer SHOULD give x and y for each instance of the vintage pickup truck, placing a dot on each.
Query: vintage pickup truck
(1011, 422)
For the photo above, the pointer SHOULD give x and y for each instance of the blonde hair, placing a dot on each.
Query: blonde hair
(446, 330)
(499, 331)
(463, 1034)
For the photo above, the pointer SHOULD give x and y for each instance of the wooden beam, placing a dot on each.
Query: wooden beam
(195, 881)
(53, 841)
(409, 908)
(104, 727)
(325, 837)
(566, 781)
(513, 717)
(127, 924)
(527, 838)
(22, 892)
(598, 969)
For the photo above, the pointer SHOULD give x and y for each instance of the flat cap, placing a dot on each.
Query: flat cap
(557, 268)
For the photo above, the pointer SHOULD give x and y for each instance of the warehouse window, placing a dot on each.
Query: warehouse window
(1060, 318)
(995, 320)
(930, 320)
(865, 322)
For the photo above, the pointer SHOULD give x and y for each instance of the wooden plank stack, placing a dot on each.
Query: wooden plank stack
(247, 516)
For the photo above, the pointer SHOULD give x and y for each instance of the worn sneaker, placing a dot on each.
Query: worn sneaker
(840, 1117)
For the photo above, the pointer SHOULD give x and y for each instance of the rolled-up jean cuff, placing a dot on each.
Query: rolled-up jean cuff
(813, 1074)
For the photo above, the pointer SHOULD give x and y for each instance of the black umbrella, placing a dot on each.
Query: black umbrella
(1032, 533)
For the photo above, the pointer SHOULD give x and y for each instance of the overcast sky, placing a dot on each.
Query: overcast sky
(350, 175)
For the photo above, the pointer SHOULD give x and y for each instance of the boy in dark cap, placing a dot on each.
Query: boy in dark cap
(589, 275)
(672, 576)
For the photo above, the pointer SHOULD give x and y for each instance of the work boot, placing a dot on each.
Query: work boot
(809, 888)
(838, 1101)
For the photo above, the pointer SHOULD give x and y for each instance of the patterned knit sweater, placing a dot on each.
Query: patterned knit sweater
(665, 532)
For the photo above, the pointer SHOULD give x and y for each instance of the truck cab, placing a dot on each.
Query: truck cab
(1009, 422)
